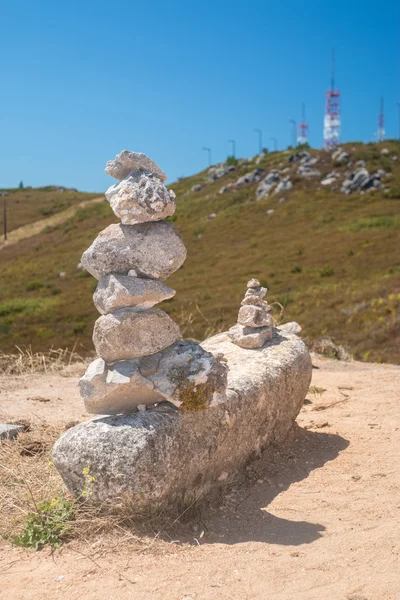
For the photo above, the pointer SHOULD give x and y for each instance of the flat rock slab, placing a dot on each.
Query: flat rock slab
(164, 457)
(10, 431)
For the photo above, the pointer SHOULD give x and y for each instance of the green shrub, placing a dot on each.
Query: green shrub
(326, 272)
(373, 224)
(231, 161)
(48, 526)
(34, 285)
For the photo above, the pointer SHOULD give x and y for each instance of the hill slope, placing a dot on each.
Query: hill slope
(330, 259)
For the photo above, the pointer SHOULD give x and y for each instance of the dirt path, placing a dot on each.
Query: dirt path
(320, 522)
(26, 231)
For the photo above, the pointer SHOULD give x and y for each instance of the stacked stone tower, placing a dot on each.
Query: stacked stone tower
(141, 358)
(254, 326)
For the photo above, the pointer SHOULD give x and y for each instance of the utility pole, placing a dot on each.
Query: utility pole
(209, 155)
(398, 106)
(293, 133)
(275, 143)
(380, 134)
(260, 146)
(233, 147)
(5, 218)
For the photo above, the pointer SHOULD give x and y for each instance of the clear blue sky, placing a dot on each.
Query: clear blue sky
(82, 80)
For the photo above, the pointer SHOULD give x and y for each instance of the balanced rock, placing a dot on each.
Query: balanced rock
(120, 291)
(254, 300)
(184, 374)
(249, 337)
(115, 389)
(151, 249)
(125, 162)
(130, 332)
(256, 291)
(141, 197)
(254, 316)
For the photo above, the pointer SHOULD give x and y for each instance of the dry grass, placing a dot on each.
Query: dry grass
(29, 478)
(25, 361)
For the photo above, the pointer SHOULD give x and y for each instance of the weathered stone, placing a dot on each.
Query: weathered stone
(152, 249)
(258, 291)
(253, 283)
(164, 457)
(10, 431)
(184, 374)
(140, 198)
(254, 316)
(253, 300)
(130, 333)
(291, 327)
(115, 389)
(125, 162)
(121, 291)
(249, 337)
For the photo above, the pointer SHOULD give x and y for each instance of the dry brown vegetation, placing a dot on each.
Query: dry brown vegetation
(329, 259)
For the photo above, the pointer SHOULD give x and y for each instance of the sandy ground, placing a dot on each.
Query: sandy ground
(322, 522)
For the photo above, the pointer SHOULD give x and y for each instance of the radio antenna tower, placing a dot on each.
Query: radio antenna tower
(380, 134)
(302, 137)
(332, 113)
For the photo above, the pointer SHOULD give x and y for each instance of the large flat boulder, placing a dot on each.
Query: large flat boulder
(165, 457)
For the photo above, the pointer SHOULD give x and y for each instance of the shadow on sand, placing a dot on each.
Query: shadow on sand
(243, 515)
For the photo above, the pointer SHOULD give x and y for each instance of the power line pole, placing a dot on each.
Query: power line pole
(260, 146)
(398, 106)
(380, 134)
(5, 218)
(233, 147)
(209, 155)
(275, 143)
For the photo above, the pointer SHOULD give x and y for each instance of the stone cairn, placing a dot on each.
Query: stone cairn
(142, 360)
(254, 326)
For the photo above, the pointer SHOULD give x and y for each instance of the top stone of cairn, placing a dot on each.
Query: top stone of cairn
(125, 162)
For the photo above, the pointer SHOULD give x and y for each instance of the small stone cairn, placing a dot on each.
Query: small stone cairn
(142, 360)
(254, 326)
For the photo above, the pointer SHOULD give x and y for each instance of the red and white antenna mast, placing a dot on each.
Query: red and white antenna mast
(332, 114)
(380, 134)
(302, 136)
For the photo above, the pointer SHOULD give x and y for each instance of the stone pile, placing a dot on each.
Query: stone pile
(254, 326)
(142, 360)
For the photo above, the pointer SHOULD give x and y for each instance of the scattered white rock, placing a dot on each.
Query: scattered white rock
(385, 151)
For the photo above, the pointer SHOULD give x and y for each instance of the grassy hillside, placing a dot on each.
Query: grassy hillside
(331, 260)
(28, 205)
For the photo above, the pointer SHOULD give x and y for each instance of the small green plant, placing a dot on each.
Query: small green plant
(349, 252)
(316, 391)
(51, 522)
(231, 161)
(48, 526)
(326, 272)
(296, 269)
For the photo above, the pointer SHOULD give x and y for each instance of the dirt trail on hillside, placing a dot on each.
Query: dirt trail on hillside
(26, 231)
(320, 522)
